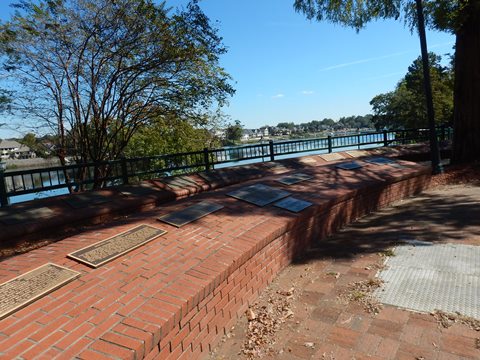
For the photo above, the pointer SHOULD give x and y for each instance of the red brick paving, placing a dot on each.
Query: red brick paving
(341, 330)
(146, 303)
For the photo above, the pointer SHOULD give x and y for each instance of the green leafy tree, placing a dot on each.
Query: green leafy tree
(97, 71)
(460, 17)
(169, 135)
(233, 133)
(286, 125)
(405, 107)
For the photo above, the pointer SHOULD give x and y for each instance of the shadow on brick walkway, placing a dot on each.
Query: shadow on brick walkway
(326, 326)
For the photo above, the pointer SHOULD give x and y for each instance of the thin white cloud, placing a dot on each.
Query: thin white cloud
(278, 96)
(308, 92)
(362, 61)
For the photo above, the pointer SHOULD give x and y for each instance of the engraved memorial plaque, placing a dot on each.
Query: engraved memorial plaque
(31, 286)
(9, 217)
(293, 204)
(294, 179)
(106, 250)
(259, 194)
(191, 213)
(332, 157)
(379, 160)
(247, 170)
(349, 165)
(357, 153)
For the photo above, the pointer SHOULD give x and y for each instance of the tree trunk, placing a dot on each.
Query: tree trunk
(466, 143)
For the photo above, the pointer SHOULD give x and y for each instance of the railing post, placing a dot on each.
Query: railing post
(385, 138)
(329, 139)
(272, 155)
(206, 159)
(123, 163)
(3, 189)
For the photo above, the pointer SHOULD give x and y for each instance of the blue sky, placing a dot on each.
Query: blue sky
(287, 68)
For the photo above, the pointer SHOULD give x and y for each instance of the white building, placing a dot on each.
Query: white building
(11, 149)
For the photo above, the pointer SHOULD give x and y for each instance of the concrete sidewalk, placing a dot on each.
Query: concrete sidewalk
(324, 312)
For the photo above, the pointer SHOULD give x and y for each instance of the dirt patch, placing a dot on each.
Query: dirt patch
(362, 293)
(458, 174)
(448, 319)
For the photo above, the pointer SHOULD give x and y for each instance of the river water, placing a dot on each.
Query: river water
(371, 138)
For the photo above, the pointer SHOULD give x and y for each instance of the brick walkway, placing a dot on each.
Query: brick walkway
(173, 297)
(324, 326)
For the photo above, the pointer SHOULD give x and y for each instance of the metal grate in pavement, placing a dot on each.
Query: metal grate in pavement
(426, 277)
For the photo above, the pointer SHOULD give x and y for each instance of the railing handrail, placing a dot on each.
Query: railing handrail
(193, 160)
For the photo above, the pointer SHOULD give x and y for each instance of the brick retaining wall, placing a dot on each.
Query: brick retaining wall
(202, 327)
(175, 297)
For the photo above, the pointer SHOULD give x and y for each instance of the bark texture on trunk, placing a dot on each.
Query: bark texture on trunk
(466, 145)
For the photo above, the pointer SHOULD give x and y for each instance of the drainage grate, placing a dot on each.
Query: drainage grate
(426, 277)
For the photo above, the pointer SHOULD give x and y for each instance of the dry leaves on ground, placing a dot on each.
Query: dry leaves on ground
(264, 321)
(362, 292)
(448, 319)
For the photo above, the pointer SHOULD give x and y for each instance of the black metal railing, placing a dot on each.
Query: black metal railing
(116, 172)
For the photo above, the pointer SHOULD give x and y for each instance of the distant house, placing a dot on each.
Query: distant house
(11, 149)
(247, 134)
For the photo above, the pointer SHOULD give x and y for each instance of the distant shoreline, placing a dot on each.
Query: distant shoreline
(22, 164)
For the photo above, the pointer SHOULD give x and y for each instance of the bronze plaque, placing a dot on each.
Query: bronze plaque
(332, 156)
(9, 217)
(379, 160)
(31, 286)
(259, 194)
(349, 165)
(294, 179)
(357, 153)
(190, 214)
(106, 250)
(247, 170)
(293, 204)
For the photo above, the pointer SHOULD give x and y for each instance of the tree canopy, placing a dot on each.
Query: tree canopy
(98, 71)
(440, 14)
(460, 17)
(233, 133)
(405, 107)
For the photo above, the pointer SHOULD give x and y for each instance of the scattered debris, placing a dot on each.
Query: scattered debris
(309, 345)
(361, 292)
(387, 253)
(250, 315)
(375, 266)
(448, 319)
(458, 174)
(264, 321)
(335, 274)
